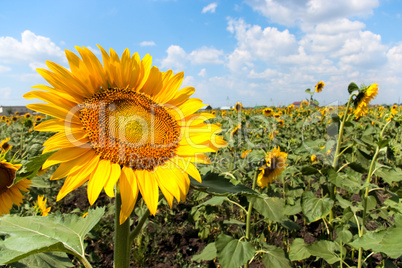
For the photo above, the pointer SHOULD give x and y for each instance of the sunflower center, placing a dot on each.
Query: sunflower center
(6, 178)
(129, 128)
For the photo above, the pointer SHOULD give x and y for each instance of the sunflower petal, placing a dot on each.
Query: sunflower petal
(149, 189)
(129, 192)
(98, 180)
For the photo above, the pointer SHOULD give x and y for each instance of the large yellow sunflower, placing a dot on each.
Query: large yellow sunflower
(363, 100)
(275, 163)
(10, 194)
(123, 122)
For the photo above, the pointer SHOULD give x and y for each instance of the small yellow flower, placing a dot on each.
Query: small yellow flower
(41, 205)
(5, 146)
(320, 85)
(238, 106)
(245, 153)
(313, 158)
(328, 152)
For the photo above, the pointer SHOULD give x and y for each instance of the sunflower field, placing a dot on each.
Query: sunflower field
(305, 186)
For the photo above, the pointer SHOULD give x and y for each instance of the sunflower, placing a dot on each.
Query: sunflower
(281, 123)
(320, 85)
(277, 115)
(313, 158)
(268, 111)
(27, 115)
(274, 164)
(245, 153)
(123, 122)
(363, 99)
(5, 146)
(40, 205)
(238, 106)
(10, 193)
(235, 131)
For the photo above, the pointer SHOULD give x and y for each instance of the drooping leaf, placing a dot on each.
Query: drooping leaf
(218, 185)
(315, 208)
(298, 250)
(55, 232)
(233, 252)
(207, 254)
(275, 257)
(352, 87)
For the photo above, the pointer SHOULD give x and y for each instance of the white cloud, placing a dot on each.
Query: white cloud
(4, 69)
(147, 44)
(310, 12)
(203, 72)
(257, 44)
(209, 8)
(31, 48)
(177, 58)
(5, 93)
(205, 55)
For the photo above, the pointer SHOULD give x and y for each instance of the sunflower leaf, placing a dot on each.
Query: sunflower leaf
(55, 232)
(207, 254)
(31, 167)
(233, 252)
(315, 208)
(352, 87)
(275, 257)
(44, 260)
(216, 184)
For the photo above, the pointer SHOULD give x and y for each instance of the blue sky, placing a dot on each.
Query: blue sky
(258, 52)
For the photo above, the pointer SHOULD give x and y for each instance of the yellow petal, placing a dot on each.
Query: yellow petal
(129, 192)
(98, 180)
(64, 155)
(149, 189)
(113, 178)
(72, 166)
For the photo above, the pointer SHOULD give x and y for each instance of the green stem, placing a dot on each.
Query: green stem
(84, 261)
(365, 198)
(331, 187)
(138, 228)
(249, 211)
(121, 236)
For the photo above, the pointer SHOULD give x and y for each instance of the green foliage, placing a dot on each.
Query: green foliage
(55, 232)
(233, 252)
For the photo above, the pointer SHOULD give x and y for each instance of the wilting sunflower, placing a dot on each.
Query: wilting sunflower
(363, 99)
(238, 106)
(268, 111)
(10, 194)
(320, 85)
(123, 122)
(274, 164)
(235, 131)
(40, 205)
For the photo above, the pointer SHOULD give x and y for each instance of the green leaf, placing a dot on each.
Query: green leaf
(298, 250)
(234, 222)
(215, 184)
(308, 90)
(325, 250)
(387, 241)
(309, 170)
(315, 208)
(207, 254)
(275, 257)
(271, 208)
(55, 232)
(352, 87)
(31, 167)
(349, 182)
(214, 201)
(233, 252)
(389, 174)
(44, 260)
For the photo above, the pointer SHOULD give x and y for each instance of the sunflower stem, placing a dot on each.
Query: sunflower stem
(121, 236)
(139, 226)
(366, 193)
(250, 208)
(331, 187)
